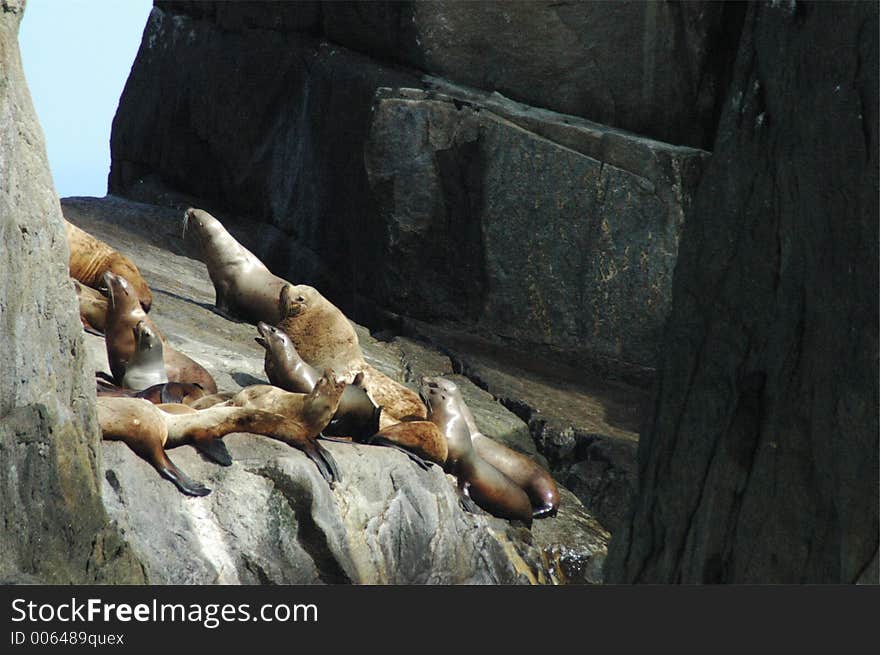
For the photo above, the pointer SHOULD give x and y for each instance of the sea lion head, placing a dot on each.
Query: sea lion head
(199, 225)
(323, 400)
(295, 300)
(123, 267)
(273, 339)
(144, 337)
(121, 293)
(435, 392)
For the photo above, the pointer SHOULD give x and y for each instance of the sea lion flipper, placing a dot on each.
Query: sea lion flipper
(215, 450)
(90, 330)
(323, 460)
(168, 470)
(545, 512)
(329, 461)
(467, 503)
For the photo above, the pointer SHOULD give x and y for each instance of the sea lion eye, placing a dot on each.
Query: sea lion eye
(300, 299)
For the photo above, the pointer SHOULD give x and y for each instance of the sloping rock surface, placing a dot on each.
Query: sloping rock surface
(270, 517)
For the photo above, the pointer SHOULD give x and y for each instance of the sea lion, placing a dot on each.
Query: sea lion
(477, 479)
(92, 307)
(325, 338)
(308, 414)
(357, 415)
(146, 366)
(142, 427)
(123, 314)
(90, 258)
(149, 429)
(533, 478)
(244, 287)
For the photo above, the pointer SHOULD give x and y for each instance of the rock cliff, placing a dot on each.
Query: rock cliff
(55, 528)
(761, 463)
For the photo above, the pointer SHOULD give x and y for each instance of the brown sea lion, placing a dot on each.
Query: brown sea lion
(123, 314)
(244, 287)
(146, 366)
(142, 427)
(149, 429)
(325, 338)
(533, 478)
(92, 307)
(357, 415)
(477, 479)
(307, 414)
(90, 258)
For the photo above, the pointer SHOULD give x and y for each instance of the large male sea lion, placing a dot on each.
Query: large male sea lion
(244, 287)
(325, 338)
(90, 258)
(477, 479)
(533, 478)
(123, 314)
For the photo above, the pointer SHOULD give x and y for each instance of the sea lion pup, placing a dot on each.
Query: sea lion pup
(92, 307)
(533, 478)
(325, 338)
(478, 480)
(307, 414)
(146, 366)
(357, 415)
(244, 287)
(90, 258)
(123, 314)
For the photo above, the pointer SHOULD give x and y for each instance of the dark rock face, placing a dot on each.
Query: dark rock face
(566, 246)
(56, 530)
(658, 69)
(651, 68)
(761, 464)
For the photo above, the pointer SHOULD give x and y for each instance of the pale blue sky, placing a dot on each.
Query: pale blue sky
(77, 55)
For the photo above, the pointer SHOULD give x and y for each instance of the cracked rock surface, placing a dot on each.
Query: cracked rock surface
(270, 517)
